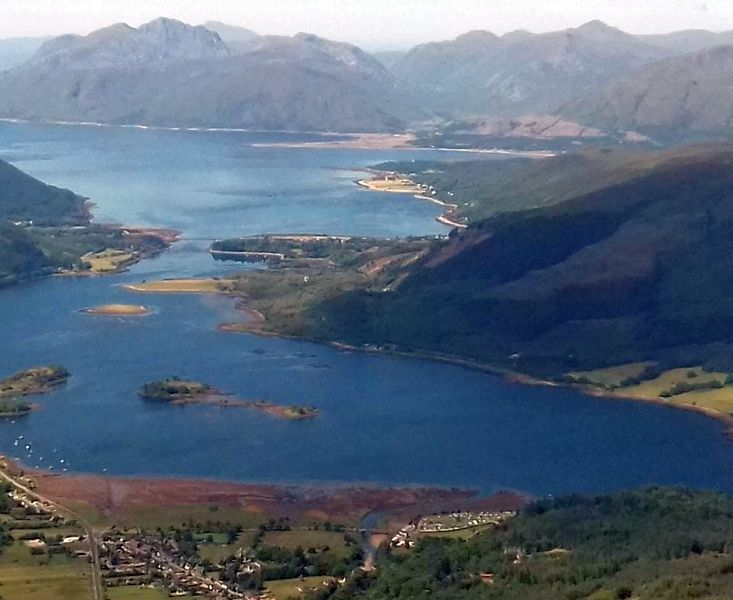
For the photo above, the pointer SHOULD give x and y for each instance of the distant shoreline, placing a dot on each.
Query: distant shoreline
(355, 143)
(389, 141)
(144, 127)
(445, 218)
(200, 129)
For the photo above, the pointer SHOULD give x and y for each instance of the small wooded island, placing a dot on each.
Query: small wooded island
(38, 380)
(180, 392)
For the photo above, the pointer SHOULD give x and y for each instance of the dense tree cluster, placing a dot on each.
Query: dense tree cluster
(656, 544)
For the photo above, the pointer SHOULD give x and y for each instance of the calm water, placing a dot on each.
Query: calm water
(383, 420)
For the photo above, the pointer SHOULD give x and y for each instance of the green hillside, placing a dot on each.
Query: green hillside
(19, 254)
(23, 198)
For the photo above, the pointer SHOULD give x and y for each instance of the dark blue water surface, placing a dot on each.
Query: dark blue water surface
(383, 420)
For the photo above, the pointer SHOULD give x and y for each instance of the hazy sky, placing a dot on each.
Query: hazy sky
(374, 24)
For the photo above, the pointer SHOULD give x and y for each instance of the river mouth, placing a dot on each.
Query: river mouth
(381, 420)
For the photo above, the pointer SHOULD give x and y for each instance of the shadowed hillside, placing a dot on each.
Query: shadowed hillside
(633, 269)
(23, 198)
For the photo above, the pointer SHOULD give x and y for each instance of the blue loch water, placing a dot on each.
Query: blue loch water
(383, 420)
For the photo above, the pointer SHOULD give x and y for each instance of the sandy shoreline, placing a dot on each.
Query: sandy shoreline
(358, 141)
(353, 141)
(445, 218)
(394, 141)
(145, 127)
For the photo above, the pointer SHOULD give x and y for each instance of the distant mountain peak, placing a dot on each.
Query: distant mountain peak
(238, 39)
(121, 46)
(235, 30)
(117, 28)
(165, 29)
(164, 23)
(311, 38)
(167, 72)
(517, 34)
(477, 35)
(597, 26)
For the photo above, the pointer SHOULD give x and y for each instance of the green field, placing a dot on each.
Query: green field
(48, 532)
(720, 399)
(89, 513)
(24, 576)
(215, 553)
(655, 387)
(150, 517)
(305, 539)
(109, 260)
(220, 550)
(459, 534)
(295, 588)
(612, 375)
(136, 593)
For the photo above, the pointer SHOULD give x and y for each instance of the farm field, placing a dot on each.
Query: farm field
(136, 593)
(28, 577)
(308, 539)
(294, 588)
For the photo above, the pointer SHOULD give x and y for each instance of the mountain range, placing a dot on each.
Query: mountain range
(592, 81)
(673, 98)
(483, 74)
(669, 86)
(170, 73)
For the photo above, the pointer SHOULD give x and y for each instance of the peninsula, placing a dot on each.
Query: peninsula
(179, 392)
